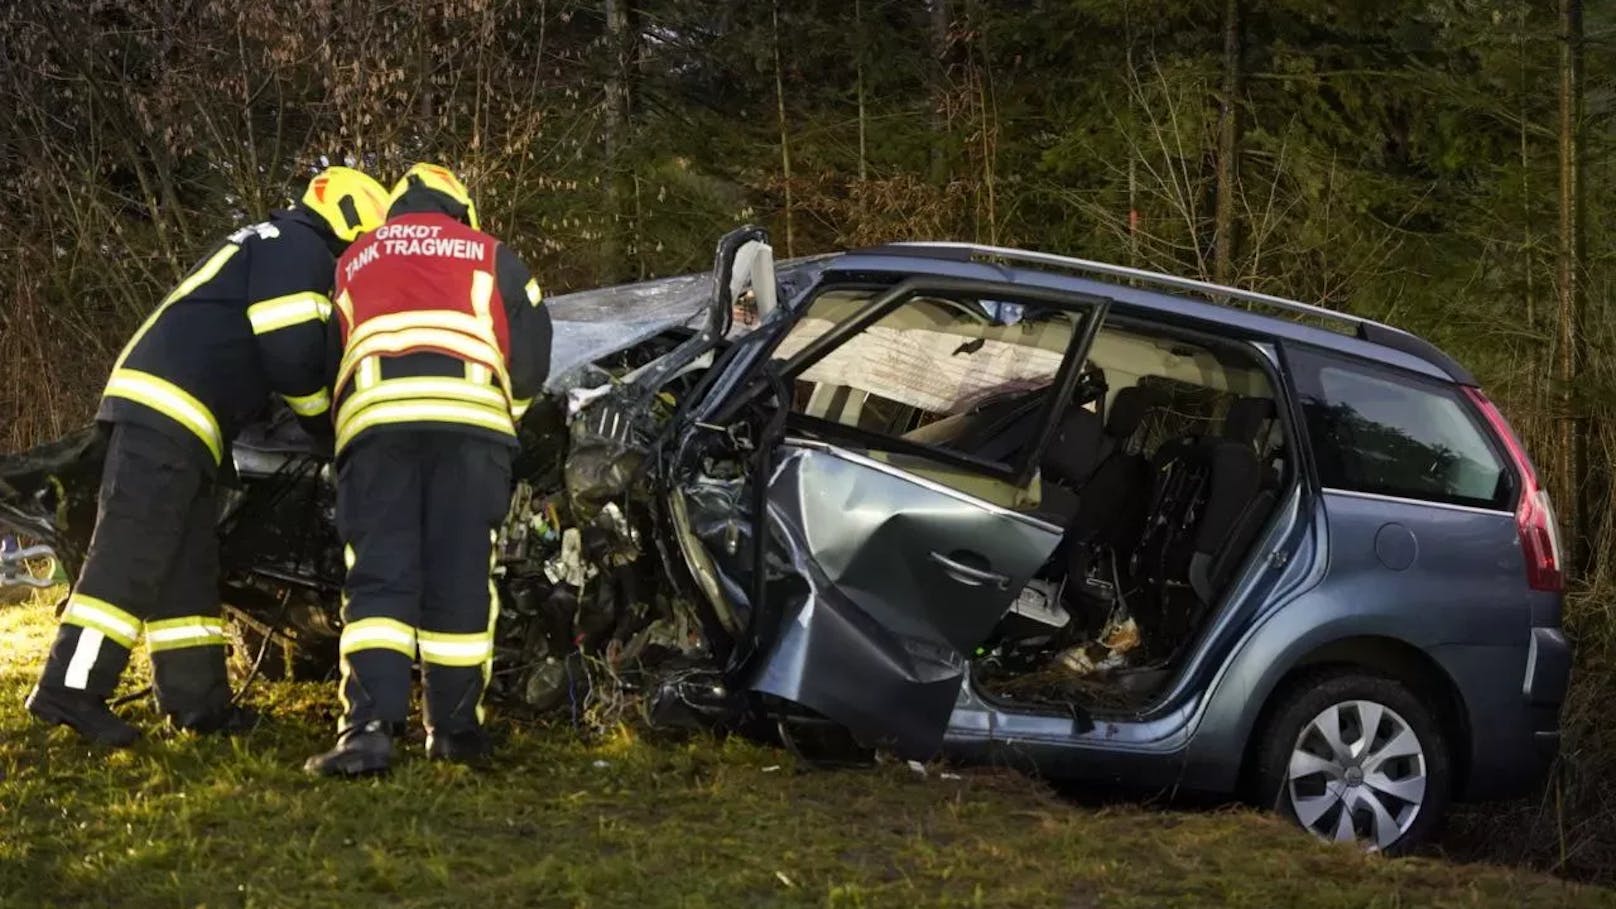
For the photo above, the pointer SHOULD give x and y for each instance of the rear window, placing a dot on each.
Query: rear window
(1373, 433)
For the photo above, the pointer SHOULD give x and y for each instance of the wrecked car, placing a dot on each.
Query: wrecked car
(1009, 507)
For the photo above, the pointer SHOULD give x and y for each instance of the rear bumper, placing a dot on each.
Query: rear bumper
(1548, 668)
(1512, 699)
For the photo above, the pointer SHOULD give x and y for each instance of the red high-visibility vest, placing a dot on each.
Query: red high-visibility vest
(421, 283)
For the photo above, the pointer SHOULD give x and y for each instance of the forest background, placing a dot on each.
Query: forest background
(1445, 165)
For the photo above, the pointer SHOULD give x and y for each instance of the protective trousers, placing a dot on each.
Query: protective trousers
(152, 569)
(418, 511)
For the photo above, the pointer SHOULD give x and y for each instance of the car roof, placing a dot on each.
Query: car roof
(1175, 300)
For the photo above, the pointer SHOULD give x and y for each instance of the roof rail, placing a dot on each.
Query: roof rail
(1364, 329)
(1023, 256)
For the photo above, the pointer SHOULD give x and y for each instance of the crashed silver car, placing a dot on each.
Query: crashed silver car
(1005, 506)
(681, 415)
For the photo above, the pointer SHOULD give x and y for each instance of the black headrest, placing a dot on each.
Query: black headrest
(1129, 408)
(1246, 419)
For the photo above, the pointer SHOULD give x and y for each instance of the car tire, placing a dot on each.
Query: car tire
(1391, 789)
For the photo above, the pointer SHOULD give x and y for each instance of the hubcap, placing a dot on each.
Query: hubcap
(1357, 773)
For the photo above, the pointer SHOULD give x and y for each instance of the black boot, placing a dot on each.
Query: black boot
(231, 720)
(82, 712)
(361, 751)
(471, 747)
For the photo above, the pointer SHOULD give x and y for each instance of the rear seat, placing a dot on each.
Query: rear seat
(1236, 500)
(1207, 503)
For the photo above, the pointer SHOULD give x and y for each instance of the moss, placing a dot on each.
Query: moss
(630, 820)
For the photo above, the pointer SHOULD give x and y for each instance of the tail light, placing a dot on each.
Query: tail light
(1534, 517)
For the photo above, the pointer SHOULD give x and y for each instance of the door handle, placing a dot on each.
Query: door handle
(965, 574)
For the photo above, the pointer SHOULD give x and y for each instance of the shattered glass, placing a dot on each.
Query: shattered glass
(591, 324)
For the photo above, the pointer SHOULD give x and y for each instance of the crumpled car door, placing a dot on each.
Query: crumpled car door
(883, 561)
(903, 577)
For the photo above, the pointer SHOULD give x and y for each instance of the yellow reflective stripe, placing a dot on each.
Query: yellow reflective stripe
(445, 649)
(440, 319)
(203, 274)
(419, 339)
(519, 407)
(345, 306)
(378, 634)
(309, 405)
(370, 372)
(292, 309)
(478, 373)
(416, 388)
(191, 631)
(415, 411)
(406, 338)
(190, 621)
(89, 612)
(534, 295)
(482, 295)
(427, 387)
(171, 401)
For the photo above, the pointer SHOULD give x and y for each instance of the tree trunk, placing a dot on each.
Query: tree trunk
(1223, 235)
(1573, 453)
(614, 248)
(1528, 218)
(988, 130)
(424, 17)
(858, 61)
(939, 89)
(1133, 154)
(785, 137)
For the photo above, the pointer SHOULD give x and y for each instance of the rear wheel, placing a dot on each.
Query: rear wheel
(1353, 757)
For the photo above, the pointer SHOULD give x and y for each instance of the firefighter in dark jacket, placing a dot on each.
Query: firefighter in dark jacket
(246, 322)
(444, 343)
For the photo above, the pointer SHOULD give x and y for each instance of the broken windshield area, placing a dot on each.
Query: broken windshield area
(955, 374)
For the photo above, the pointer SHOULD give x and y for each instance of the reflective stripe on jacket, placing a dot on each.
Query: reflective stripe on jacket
(247, 321)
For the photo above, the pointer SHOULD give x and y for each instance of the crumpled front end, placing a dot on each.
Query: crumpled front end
(585, 604)
(47, 507)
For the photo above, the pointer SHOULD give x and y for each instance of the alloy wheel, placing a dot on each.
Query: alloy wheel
(1357, 774)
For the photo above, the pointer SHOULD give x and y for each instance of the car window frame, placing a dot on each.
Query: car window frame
(1091, 310)
(1307, 362)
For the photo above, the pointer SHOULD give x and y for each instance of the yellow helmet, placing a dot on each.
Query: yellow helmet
(441, 179)
(350, 202)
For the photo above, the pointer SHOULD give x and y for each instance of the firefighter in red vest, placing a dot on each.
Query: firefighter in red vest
(444, 344)
(249, 320)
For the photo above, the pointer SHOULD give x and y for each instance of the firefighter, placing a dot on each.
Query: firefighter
(443, 346)
(245, 323)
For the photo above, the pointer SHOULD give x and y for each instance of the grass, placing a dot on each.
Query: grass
(626, 821)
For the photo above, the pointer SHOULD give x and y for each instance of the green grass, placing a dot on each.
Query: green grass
(185, 821)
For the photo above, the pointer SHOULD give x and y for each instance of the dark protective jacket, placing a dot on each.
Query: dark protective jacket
(440, 327)
(247, 321)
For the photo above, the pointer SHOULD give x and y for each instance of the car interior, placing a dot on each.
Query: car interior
(1161, 485)
(1161, 473)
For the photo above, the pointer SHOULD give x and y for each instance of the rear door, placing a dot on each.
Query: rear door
(1421, 504)
(893, 544)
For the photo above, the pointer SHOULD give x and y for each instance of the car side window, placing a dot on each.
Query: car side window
(935, 370)
(1377, 432)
